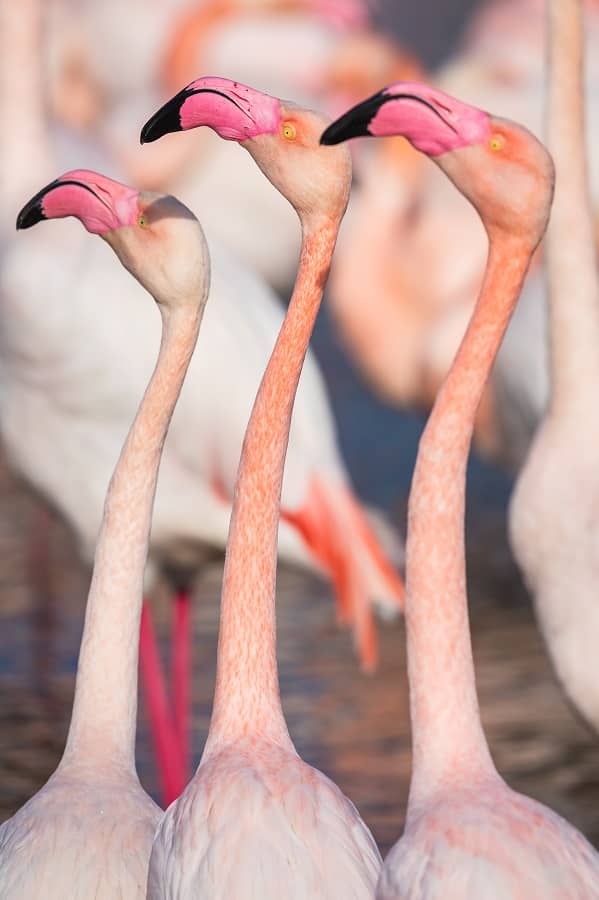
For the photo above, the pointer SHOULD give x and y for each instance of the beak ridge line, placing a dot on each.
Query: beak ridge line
(168, 117)
(33, 211)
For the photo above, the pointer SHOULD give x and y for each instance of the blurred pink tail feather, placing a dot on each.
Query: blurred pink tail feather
(342, 540)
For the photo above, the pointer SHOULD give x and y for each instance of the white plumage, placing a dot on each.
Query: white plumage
(488, 854)
(72, 832)
(72, 367)
(278, 830)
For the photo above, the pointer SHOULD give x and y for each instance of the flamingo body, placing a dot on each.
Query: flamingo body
(554, 511)
(99, 357)
(84, 834)
(561, 559)
(491, 843)
(257, 821)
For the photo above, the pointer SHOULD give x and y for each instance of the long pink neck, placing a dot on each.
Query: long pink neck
(573, 278)
(23, 149)
(448, 740)
(247, 699)
(104, 716)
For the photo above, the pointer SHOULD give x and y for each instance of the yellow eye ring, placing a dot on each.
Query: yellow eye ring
(497, 142)
(288, 131)
(142, 221)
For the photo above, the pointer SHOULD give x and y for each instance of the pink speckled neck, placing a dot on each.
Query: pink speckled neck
(99, 203)
(431, 120)
(235, 111)
(247, 700)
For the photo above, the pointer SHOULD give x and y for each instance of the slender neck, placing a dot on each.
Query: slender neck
(247, 699)
(105, 707)
(23, 150)
(448, 740)
(573, 280)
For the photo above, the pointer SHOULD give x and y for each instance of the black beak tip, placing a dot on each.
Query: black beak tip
(328, 136)
(31, 214)
(343, 129)
(355, 122)
(147, 135)
(165, 120)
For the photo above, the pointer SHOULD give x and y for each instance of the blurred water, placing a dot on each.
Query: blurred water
(354, 728)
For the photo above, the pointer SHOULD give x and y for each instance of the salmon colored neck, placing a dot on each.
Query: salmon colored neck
(448, 740)
(247, 698)
(104, 717)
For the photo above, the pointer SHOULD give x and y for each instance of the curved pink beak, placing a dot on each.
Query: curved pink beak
(99, 203)
(433, 122)
(236, 112)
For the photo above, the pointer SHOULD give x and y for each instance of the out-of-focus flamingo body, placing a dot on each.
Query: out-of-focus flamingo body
(193, 501)
(554, 513)
(414, 223)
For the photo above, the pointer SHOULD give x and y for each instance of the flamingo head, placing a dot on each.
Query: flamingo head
(155, 236)
(283, 139)
(499, 166)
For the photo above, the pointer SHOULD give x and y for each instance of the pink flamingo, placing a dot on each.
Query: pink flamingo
(412, 220)
(57, 389)
(88, 831)
(28, 148)
(256, 821)
(554, 513)
(467, 833)
(288, 48)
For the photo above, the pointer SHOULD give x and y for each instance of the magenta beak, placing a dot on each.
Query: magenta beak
(433, 122)
(100, 203)
(33, 211)
(235, 111)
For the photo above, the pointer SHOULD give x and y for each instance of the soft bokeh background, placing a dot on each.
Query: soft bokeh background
(353, 727)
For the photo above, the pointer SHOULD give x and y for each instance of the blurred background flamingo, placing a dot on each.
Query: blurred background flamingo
(103, 68)
(414, 222)
(553, 512)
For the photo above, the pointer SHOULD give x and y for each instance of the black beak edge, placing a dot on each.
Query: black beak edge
(355, 122)
(32, 212)
(165, 120)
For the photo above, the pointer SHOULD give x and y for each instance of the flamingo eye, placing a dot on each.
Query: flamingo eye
(497, 142)
(288, 131)
(142, 221)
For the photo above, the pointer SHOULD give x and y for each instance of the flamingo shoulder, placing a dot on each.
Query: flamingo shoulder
(260, 825)
(72, 842)
(506, 847)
